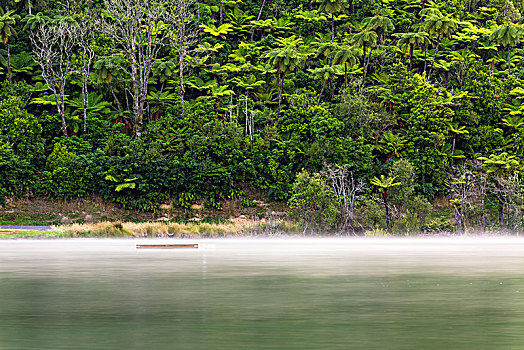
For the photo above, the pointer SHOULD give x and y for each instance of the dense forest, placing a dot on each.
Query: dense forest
(358, 114)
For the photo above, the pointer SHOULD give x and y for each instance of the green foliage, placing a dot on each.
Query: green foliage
(372, 216)
(311, 201)
(413, 220)
(20, 128)
(439, 225)
(66, 175)
(260, 91)
(16, 176)
(404, 173)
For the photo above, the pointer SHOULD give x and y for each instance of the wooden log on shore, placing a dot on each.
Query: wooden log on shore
(167, 246)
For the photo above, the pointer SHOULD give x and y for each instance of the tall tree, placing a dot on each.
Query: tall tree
(508, 35)
(53, 47)
(184, 36)
(285, 59)
(332, 7)
(345, 54)
(367, 38)
(385, 183)
(7, 21)
(140, 28)
(500, 166)
(381, 24)
(411, 40)
(86, 42)
(439, 27)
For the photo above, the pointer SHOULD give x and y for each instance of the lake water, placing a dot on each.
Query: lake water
(426, 293)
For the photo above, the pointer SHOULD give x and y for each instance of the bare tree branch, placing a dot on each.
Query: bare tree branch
(53, 48)
(140, 28)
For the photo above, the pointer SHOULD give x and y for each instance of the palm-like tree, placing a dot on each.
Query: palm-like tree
(345, 54)
(7, 21)
(33, 22)
(513, 121)
(500, 165)
(325, 74)
(381, 23)
(439, 27)
(456, 130)
(366, 38)
(385, 183)
(412, 40)
(391, 144)
(285, 59)
(508, 35)
(331, 7)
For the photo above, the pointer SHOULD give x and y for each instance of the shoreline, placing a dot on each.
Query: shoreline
(7, 235)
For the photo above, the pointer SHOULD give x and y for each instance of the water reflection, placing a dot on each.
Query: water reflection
(261, 294)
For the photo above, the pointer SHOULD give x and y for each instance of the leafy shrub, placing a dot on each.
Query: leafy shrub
(20, 128)
(311, 202)
(66, 175)
(439, 225)
(15, 172)
(372, 216)
(414, 218)
(403, 172)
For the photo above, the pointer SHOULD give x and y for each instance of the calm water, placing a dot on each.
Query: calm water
(263, 294)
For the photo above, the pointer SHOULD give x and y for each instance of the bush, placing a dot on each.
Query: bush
(414, 218)
(311, 202)
(403, 172)
(66, 175)
(20, 128)
(15, 172)
(439, 225)
(372, 216)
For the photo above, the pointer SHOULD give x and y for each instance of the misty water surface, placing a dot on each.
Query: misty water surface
(438, 293)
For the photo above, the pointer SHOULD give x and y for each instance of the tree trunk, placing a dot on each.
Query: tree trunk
(9, 63)
(280, 94)
(61, 113)
(247, 128)
(85, 97)
(483, 211)
(198, 11)
(385, 195)
(434, 58)
(501, 213)
(261, 8)
(117, 101)
(366, 68)
(332, 28)
(258, 17)
(345, 78)
(137, 111)
(425, 58)
(221, 12)
(181, 79)
(410, 56)
(458, 219)
(322, 90)
(509, 60)
(29, 6)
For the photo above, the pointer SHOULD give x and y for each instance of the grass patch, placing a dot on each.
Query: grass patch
(45, 212)
(176, 230)
(6, 234)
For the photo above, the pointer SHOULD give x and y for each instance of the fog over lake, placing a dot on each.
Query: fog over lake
(281, 293)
